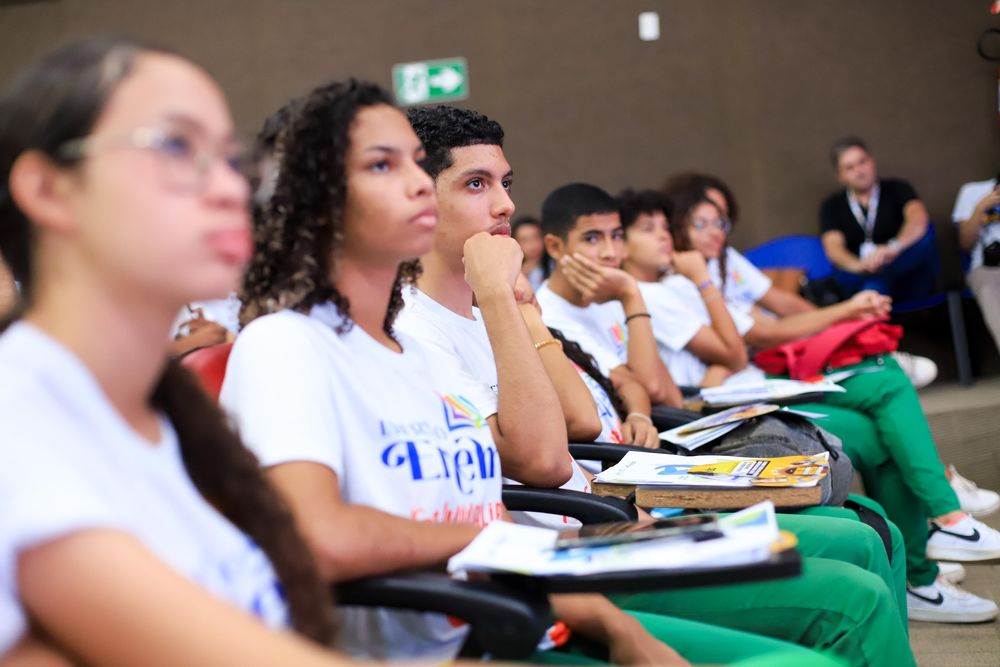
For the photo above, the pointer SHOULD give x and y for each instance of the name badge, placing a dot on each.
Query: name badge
(867, 248)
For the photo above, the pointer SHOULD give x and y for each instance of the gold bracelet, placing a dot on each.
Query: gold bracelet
(550, 341)
(641, 416)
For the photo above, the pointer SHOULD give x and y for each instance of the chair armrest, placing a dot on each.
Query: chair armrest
(666, 418)
(585, 507)
(505, 622)
(606, 452)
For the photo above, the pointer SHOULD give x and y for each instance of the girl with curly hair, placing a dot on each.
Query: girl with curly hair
(136, 529)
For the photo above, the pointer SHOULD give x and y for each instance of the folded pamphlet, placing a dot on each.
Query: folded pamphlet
(745, 537)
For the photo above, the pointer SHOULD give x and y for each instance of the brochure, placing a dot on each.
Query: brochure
(725, 472)
(694, 434)
(766, 390)
(747, 537)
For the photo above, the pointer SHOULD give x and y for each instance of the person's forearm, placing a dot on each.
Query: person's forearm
(583, 422)
(643, 357)
(769, 332)
(531, 429)
(846, 260)
(968, 230)
(714, 376)
(633, 394)
(592, 616)
(914, 228)
(356, 541)
(735, 358)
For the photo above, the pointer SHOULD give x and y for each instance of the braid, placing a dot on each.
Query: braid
(228, 475)
(581, 358)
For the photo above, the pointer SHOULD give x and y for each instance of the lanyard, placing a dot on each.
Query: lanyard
(867, 222)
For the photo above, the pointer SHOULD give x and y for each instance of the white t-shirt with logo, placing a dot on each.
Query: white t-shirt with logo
(398, 440)
(965, 204)
(745, 283)
(69, 462)
(678, 313)
(460, 347)
(598, 328)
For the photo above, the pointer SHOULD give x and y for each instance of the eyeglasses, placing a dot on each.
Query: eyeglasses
(722, 224)
(185, 156)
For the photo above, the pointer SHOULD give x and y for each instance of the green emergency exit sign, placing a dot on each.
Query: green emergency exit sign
(431, 81)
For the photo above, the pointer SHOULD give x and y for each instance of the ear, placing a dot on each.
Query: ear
(39, 188)
(554, 246)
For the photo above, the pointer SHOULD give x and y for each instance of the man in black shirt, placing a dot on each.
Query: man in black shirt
(875, 231)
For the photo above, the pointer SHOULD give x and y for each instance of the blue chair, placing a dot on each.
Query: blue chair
(792, 252)
(805, 252)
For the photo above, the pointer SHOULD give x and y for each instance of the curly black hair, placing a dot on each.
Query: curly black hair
(300, 229)
(442, 128)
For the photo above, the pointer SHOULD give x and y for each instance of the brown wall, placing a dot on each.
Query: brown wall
(753, 90)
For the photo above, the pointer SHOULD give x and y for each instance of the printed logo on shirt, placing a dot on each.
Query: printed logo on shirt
(246, 579)
(619, 337)
(462, 454)
(459, 413)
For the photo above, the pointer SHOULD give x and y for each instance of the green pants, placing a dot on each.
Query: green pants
(885, 433)
(852, 542)
(833, 607)
(698, 643)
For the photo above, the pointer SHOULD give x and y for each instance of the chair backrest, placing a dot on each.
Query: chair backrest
(792, 252)
(209, 365)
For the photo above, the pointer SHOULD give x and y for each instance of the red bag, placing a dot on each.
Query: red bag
(842, 344)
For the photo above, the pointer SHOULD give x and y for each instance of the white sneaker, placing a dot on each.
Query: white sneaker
(953, 573)
(974, 501)
(943, 602)
(967, 540)
(921, 370)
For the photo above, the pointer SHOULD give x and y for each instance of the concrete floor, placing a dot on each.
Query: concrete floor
(966, 427)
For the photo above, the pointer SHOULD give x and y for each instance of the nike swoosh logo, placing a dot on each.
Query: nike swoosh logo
(939, 600)
(968, 538)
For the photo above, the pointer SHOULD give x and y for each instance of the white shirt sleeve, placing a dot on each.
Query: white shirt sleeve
(743, 320)
(278, 394)
(751, 280)
(968, 196)
(674, 322)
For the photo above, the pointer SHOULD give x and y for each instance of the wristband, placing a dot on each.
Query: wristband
(549, 341)
(645, 418)
(704, 285)
(635, 315)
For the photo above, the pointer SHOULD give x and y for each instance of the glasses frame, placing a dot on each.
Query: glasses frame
(154, 139)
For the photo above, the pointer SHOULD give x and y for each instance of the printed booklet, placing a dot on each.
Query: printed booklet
(725, 472)
(745, 537)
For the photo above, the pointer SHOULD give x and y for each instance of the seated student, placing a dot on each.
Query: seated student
(527, 231)
(977, 214)
(581, 222)
(874, 231)
(885, 432)
(136, 529)
(473, 180)
(744, 286)
(386, 464)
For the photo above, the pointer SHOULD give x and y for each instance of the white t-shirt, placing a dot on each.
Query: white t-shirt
(970, 195)
(599, 328)
(398, 439)
(745, 283)
(678, 313)
(460, 347)
(69, 462)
